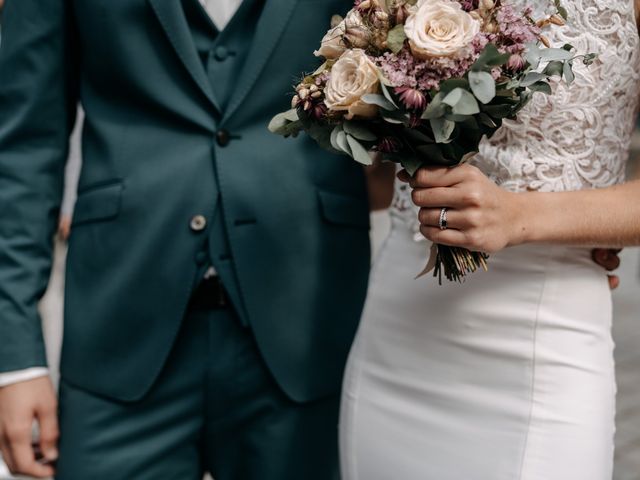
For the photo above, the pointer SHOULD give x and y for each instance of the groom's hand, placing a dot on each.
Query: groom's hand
(610, 260)
(20, 405)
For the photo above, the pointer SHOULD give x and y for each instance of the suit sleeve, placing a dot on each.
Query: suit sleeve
(38, 97)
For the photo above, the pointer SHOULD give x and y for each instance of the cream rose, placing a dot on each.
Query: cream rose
(333, 44)
(439, 28)
(352, 76)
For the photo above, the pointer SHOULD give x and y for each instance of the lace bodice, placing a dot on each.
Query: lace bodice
(579, 137)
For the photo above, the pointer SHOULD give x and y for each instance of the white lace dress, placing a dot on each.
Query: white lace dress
(509, 376)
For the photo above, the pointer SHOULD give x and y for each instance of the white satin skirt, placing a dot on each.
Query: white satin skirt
(509, 376)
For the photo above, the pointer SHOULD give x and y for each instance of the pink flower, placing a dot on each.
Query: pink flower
(411, 98)
(515, 63)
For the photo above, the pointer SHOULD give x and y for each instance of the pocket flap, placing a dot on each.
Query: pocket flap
(99, 203)
(344, 210)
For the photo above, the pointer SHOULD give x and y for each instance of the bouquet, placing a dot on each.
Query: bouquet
(421, 82)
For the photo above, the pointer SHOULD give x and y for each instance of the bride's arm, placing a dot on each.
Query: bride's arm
(380, 178)
(483, 217)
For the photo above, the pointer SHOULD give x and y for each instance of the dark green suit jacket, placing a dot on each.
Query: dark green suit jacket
(296, 217)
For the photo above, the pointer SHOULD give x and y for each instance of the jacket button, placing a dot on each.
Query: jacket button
(198, 223)
(223, 138)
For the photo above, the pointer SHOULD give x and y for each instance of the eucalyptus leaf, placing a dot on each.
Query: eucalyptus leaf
(341, 140)
(359, 131)
(334, 138)
(387, 95)
(436, 108)
(457, 118)
(532, 55)
(490, 57)
(567, 73)
(396, 38)
(379, 100)
(563, 12)
(322, 135)
(462, 102)
(283, 119)
(358, 152)
(442, 129)
(542, 87)
(411, 164)
(531, 78)
(589, 58)
(482, 85)
(554, 68)
(453, 83)
(549, 54)
(395, 117)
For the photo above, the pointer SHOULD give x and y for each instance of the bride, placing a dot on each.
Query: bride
(510, 375)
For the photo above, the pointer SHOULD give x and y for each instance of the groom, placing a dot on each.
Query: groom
(216, 273)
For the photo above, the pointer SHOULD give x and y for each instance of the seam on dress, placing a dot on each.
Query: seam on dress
(534, 368)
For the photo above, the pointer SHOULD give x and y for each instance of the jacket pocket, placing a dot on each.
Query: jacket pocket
(98, 203)
(340, 209)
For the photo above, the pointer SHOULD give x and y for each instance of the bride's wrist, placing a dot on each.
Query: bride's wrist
(524, 219)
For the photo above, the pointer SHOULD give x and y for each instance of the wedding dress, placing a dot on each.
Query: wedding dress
(509, 376)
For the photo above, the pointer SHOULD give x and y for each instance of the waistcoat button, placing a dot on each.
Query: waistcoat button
(221, 53)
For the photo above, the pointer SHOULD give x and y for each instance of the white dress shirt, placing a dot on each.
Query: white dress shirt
(221, 12)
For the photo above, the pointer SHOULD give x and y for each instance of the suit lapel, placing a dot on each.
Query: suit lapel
(174, 23)
(274, 18)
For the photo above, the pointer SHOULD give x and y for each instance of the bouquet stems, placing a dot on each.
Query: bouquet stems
(455, 263)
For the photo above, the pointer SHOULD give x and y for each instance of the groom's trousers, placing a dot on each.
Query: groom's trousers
(215, 408)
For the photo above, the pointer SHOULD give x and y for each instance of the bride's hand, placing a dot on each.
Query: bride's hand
(480, 215)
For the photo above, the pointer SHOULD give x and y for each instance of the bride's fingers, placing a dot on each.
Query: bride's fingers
(429, 177)
(431, 218)
(436, 197)
(450, 237)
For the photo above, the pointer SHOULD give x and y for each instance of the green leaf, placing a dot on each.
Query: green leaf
(442, 129)
(359, 130)
(387, 95)
(483, 86)
(453, 83)
(411, 164)
(542, 87)
(339, 140)
(462, 102)
(435, 109)
(396, 38)
(531, 78)
(358, 152)
(281, 123)
(490, 57)
(549, 54)
(321, 134)
(554, 68)
(395, 117)
(498, 111)
(563, 12)
(589, 58)
(457, 118)
(532, 55)
(568, 74)
(379, 100)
